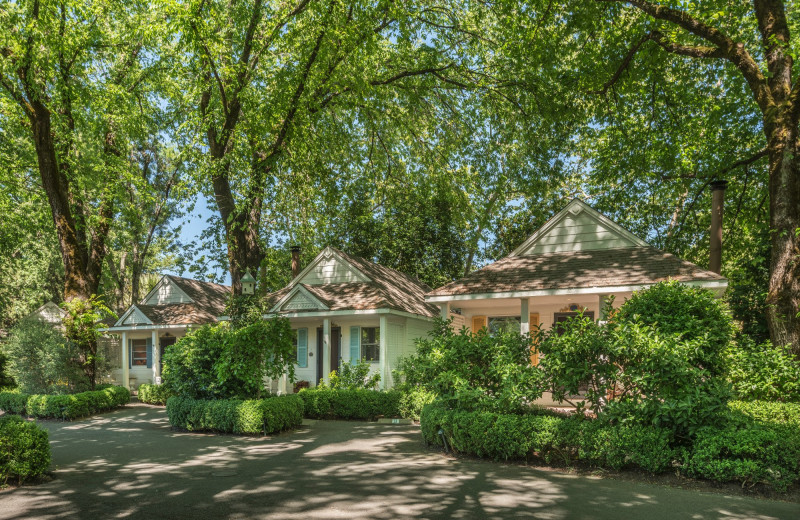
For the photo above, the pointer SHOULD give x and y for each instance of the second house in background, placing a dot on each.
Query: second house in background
(344, 307)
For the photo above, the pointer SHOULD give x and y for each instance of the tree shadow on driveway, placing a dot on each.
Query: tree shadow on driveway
(130, 464)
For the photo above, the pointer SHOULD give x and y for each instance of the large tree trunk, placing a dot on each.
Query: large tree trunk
(56, 186)
(783, 298)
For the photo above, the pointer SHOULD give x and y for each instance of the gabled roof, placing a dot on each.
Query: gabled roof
(637, 266)
(199, 303)
(578, 223)
(380, 288)
(575, 260)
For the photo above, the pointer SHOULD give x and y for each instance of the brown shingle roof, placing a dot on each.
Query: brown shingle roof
(209, 298)
(179, 314)
(577, 269)
(388, 289)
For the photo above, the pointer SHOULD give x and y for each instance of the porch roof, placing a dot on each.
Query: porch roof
(577, 270)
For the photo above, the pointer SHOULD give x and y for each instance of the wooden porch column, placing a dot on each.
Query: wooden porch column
(384, 363)
(156, 359)
(326, 350)
(126, 369)
(444, 310)
(524, 316)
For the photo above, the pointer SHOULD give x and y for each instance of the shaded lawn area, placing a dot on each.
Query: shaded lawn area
(130, 464)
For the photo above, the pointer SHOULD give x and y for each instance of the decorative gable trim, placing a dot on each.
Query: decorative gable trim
(165, 280)
(133, 316)
(574, 208)
(324, 255)
(299, 299)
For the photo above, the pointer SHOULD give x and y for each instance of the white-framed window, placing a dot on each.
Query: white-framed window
(139, 352)
(300, 342)
(499, 324)
(370, 343)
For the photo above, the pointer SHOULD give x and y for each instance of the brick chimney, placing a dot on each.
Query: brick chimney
(717, 205)
(295, 261)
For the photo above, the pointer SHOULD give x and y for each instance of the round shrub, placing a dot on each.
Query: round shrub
(24, 449)
(692, 313)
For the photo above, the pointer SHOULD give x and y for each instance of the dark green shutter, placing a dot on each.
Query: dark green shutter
(355, 345)
(302, 348)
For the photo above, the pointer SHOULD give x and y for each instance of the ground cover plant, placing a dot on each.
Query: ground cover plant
(251, 416)
(65, 406)
(24, 450)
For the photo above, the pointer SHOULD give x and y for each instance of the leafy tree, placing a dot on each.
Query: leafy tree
(72, 82)
(728, 78)
(82, 324)
(42, 361)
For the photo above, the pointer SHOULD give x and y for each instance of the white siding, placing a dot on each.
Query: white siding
(331, 270)
(581, 232)
(167, 292)
(136, 318)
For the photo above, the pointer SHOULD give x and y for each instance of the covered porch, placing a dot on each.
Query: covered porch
(141, 350)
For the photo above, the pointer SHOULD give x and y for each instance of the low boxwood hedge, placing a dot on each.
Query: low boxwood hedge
(24, 449)
(255, 416)
(553, 438)
(363, 404)
(760, 443)
(154, 394)
(67, 406)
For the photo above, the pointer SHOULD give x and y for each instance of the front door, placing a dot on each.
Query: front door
(336, 337)
(163, 344)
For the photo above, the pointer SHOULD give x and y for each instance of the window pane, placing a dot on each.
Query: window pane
(370, 343)
(139, 351)
(504, 324)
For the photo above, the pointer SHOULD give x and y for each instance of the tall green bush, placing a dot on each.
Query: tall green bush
(24, 449)
(652, 379)
(221, 362)
(41, 360)
(692, 313)
(473, 371)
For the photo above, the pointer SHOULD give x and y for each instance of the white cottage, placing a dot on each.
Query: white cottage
(347, 308)
(165, 314)
(572, 264)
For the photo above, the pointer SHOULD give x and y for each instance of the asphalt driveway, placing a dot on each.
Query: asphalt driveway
(130, 464)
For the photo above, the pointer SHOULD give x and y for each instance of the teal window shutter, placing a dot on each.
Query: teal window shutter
(149, 353)
(130, 353)
(302, 348)
(355, 345)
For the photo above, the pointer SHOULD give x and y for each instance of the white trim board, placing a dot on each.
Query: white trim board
(707, 284)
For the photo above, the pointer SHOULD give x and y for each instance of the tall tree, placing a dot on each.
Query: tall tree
(738, 53)
(74, 75)
(265, 77)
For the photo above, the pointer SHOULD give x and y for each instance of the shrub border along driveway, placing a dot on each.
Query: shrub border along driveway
(130, 462)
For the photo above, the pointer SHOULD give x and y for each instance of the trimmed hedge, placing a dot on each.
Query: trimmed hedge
(759, 444)
(24, 449)
(346, 403)
(553, 438)
(68, 406)
(255, 416)
(154, 394)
